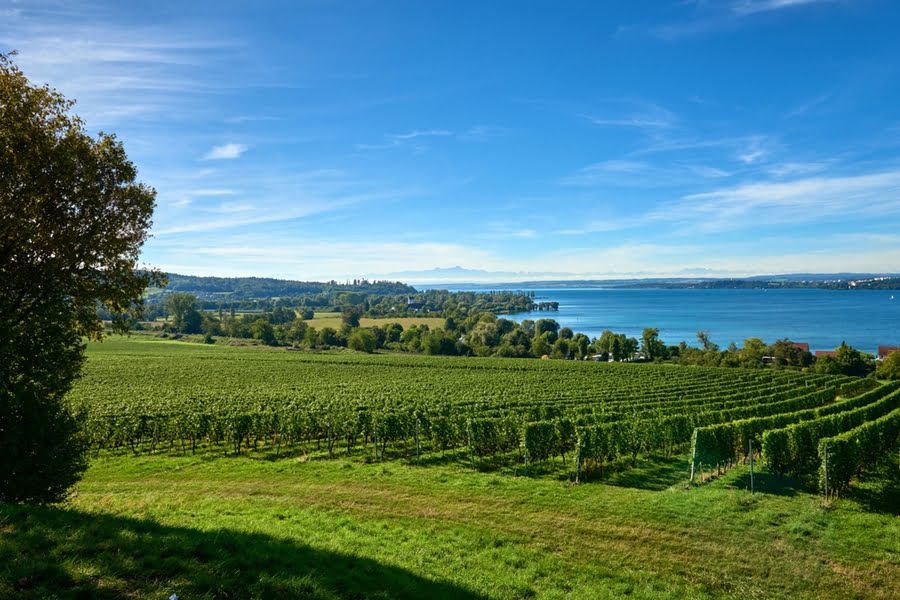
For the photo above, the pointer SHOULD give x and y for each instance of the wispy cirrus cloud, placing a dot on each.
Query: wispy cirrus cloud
(789, 169)
(410, 138)
(751, 7)
(710, 18)
(754, 151)
(219, 200)
(741, 147)
(118, 72)
(183, 198)
(615, 223)
(323, 259)
(226, 152)
(639, 115)
(506, 231)
(806, 200)
(637, 173)
(417, 138)
(401, 137)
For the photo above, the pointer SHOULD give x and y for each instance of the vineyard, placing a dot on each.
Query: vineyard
(152, 396)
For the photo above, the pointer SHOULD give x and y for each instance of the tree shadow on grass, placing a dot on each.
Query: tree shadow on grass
(766, 482)
(652, 472)
(879, 489)
(61, 553)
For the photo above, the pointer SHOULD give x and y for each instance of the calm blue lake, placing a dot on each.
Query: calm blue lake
(822, 318)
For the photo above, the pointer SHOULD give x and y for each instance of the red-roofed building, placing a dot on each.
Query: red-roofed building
(821, 353)
(883, 351)
(803, 346)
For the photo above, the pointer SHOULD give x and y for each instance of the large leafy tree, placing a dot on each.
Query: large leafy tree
(72, 221)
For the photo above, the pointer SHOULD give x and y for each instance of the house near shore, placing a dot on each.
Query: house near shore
(883, 351)
(821, 353)
(802, 346)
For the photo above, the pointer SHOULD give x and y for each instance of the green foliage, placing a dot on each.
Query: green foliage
(890, 367)
(351, 314)
(846, 454)
(541, 344)
(263, 331)
(652, 347)
(72, 221)
(729, 440)
(857, 386)
(302, 399)
(362, 340)
(440, 342)
(328, 336)
(541, 440)
(846, 361)
(794, 448)
(183, 309)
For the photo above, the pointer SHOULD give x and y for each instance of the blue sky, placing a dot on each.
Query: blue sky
(319, 140)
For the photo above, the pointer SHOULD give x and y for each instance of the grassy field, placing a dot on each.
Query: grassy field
(305, 526)
(242, 527)
(333, 320)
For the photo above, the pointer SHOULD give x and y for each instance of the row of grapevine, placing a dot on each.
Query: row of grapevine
(730, 440)
(845, 455)
(794, 449)
(228, 400)
(858, 386)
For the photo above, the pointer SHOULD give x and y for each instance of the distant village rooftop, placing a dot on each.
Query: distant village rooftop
(883, 351)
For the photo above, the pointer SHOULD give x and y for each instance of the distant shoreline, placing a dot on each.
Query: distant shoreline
(854, 284)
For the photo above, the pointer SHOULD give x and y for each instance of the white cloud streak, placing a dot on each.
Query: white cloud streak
(752, 7)
(639, 115)
(806, 200)
(634, 173)
(118, 72)
(412, 139)
(226, 152)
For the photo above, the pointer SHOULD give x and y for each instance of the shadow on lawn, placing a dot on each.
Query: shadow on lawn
(652, 472)
(879, 490)
(769, 483)
(62, 553)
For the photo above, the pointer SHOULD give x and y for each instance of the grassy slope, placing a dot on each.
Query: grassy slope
(248, 527)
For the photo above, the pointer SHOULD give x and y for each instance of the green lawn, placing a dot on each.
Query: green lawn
(248, 526)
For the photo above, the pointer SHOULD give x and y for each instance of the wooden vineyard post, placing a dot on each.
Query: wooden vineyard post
(471, 447)
(751, 466)
(418, 447)
(578, 464)
(826, 472)
(693, 461)
(525, 458)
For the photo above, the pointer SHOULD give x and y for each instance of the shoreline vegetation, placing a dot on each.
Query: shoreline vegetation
(370, 316)
(241, 288)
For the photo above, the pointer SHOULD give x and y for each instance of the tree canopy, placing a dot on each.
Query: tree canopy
(72, 221)
(890, 366)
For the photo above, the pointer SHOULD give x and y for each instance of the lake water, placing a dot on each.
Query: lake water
(864, 319)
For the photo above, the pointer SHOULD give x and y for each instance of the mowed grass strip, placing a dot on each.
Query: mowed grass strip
(244, 527)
